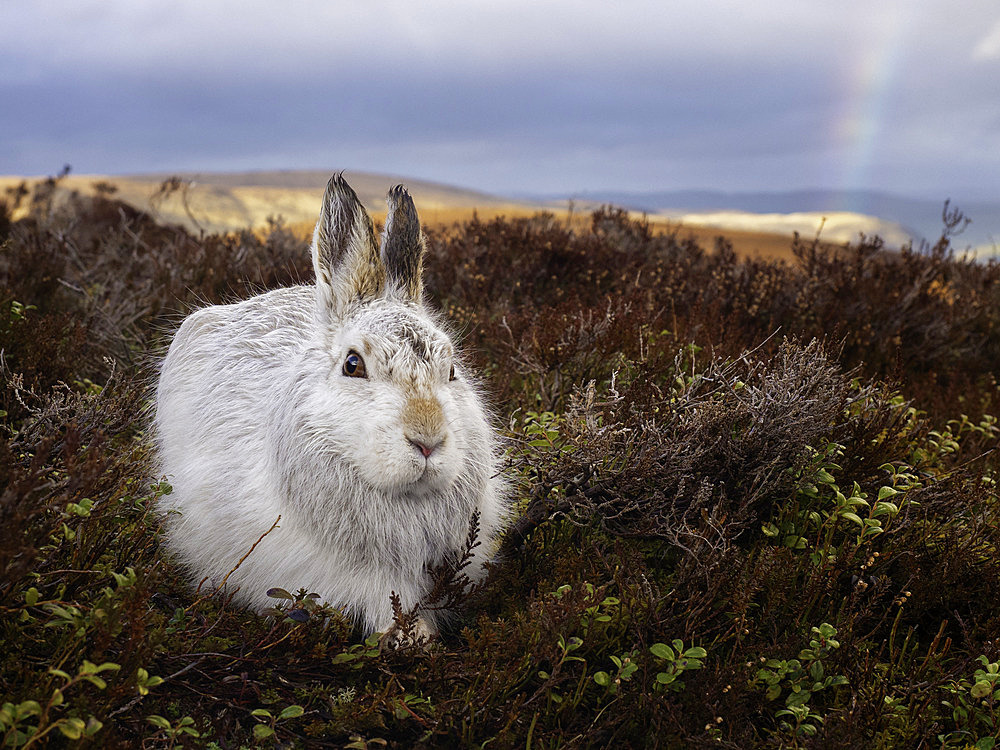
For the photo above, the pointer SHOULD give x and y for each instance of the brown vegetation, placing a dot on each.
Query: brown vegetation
(757, 504)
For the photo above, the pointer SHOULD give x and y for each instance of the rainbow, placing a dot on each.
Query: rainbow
(859, 131)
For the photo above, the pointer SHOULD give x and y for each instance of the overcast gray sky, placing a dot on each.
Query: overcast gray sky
(522, 96)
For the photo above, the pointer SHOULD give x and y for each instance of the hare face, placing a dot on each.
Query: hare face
(395, 369)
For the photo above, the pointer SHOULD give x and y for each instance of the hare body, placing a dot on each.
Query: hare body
(339, 407)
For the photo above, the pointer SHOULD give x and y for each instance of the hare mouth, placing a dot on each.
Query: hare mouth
(431, 478)
(428, 474)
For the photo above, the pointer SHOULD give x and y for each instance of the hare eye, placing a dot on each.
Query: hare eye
(354, 366)
(451, 375)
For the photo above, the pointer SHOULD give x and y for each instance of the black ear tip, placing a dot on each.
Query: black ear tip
(398, 196)
(398, 200)
(338, 190)
(336, 181)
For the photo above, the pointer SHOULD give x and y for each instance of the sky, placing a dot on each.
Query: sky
(513, 97)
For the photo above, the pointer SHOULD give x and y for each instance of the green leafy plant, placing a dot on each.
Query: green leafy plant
(625, 666)
(975, 706)
(38, 718)
(673, 661)
(144, 681)
(268, 721)
(802, 678)
(174, 731)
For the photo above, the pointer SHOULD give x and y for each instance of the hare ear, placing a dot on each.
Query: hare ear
(403, 245)
(345, 257)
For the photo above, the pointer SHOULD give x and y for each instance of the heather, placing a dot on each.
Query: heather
(756, 500)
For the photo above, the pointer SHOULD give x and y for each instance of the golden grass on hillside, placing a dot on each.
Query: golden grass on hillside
(208, 207)
(755, 245)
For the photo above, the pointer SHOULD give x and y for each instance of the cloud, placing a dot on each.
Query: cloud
(988, 47)
(515, 95)
(380, 34)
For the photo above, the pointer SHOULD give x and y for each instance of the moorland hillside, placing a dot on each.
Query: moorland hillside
(756, 500)
(219, 202)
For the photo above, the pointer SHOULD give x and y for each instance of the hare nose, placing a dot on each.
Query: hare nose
(425, 446)
(424, 424)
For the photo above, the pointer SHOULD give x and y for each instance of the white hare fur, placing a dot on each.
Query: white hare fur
(376, 475)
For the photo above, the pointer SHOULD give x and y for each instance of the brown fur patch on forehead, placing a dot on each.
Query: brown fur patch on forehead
(403, 332)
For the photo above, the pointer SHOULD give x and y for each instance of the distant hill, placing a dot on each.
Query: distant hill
(915, 217)
(216, 201)
(370, 187)
(757, 223)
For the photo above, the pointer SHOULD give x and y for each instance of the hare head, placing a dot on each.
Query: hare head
(392, 365)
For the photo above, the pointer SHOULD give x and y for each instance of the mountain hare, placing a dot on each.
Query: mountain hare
(344, 408)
